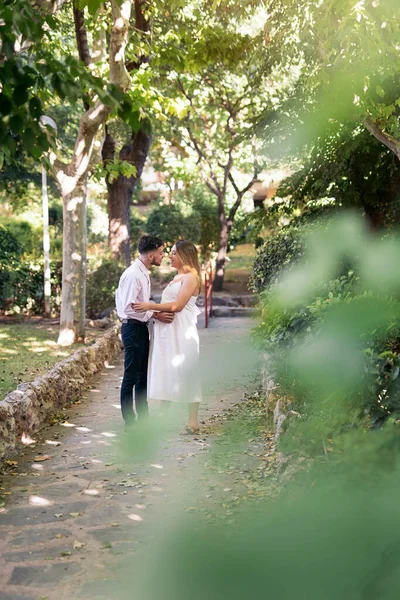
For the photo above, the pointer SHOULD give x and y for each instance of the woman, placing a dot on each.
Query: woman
(173, 373)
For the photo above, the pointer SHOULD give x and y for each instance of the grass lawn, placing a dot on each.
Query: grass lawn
(238, 267)
(28, 350)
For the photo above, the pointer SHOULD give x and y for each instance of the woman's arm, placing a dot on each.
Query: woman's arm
(188, 287)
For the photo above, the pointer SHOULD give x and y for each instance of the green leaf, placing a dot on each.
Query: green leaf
(35, 107)
(5, 105)
(29, 139)
(20, 95)
(16, 123)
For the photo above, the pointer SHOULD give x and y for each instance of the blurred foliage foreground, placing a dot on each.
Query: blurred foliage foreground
(330, 330)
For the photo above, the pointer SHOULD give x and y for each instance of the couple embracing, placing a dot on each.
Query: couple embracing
(166, 368)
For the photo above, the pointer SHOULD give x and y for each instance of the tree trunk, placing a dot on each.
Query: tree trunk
(222, 252)
(72, 320)
(120, 190)
(119, 196)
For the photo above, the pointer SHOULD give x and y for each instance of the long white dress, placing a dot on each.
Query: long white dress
(174, 370)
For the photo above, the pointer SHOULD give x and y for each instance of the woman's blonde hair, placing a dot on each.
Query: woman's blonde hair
(189, 257)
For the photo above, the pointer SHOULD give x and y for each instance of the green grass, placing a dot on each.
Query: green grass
(27, 351)
(238, 268)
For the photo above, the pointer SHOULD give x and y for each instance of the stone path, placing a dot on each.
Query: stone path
(84, 494)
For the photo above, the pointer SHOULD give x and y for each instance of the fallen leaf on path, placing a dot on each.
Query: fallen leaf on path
(59, 515)
(67, 553)
(11, 463)
(42, 457)
(75, 514)
(59, 536)
(2, 501)
(78, 545)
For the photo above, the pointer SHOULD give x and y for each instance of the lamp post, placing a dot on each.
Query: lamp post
(46, 122)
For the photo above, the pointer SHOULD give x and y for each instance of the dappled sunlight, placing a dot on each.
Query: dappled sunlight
(97, 461)
(134, 517)
(116, 406)
(109, 434)
(38, 501)
(37, 467)
(86, 442)
(84, 429)
(108, 366)
(95, 391)
(178, 360)
(53, 443)
(156, 466)
(191, 333)
(66, 424)
(37, 350)
(91, 492)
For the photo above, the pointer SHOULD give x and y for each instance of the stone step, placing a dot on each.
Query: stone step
(234, 311)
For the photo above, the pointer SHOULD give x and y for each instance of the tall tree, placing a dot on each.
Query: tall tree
(124, 166)
(217, 88)
(347, 57)
(72, 175)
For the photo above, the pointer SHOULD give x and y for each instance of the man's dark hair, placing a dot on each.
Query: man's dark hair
(148, 243)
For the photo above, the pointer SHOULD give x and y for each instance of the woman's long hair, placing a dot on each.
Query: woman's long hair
(189, 257)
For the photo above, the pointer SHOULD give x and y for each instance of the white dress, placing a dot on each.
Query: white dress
(174, 370)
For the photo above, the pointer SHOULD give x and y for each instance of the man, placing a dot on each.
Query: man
(134, 286)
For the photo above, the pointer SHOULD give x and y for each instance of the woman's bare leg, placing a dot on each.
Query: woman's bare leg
(193, 415)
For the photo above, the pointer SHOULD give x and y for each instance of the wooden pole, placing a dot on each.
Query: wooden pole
(46, 245)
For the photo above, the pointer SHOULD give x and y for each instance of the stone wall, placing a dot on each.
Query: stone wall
(28, 407)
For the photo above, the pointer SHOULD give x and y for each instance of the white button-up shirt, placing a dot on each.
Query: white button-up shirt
(134, 286)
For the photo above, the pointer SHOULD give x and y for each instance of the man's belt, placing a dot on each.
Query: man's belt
(134, 321)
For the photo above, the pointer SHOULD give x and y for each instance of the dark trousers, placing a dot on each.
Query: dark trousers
(135, 338)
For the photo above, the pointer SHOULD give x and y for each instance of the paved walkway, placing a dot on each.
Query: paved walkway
(85, 493)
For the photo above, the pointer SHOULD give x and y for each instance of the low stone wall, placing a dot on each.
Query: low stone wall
(28, 407)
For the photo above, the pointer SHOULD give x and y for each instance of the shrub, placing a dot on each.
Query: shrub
(207, 215)
(101, 286)
(280, 251)
(22, 286)
(29, 238)
(169, 222)
(10, 247)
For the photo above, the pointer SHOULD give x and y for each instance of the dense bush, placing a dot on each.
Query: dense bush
(280, 251)
(10, 248)
(205, 210)
(138, 228)
(171, 224)
(22, 286)
(29, 238)
(101, 286)
(333, 343)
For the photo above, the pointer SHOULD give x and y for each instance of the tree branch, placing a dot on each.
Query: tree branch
(239, 194)
(121, 12)
(81, 34)
(142, 26)
(388, 140)
(92, 120)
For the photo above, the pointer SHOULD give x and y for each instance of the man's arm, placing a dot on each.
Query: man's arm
(164, 317)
